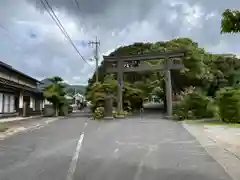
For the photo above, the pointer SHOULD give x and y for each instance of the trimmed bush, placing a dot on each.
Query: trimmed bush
(193, 105)
(228, 101)
(98, 113)
(120, 114)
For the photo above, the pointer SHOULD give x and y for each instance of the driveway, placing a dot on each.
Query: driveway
(129, 149)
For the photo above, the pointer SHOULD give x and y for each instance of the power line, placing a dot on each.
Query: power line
(96, 43)
(58, 21)
(81, 18)
(3, 27)
(7, 33)
(77, 3)
(60, 26)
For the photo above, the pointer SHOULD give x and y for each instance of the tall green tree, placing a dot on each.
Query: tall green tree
(55, 93)
(207, 71)
(230, 21)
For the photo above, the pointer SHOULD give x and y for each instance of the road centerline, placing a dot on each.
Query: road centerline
(73, 164)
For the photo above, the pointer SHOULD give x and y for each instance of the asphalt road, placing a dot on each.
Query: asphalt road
(43, 154)
(130, 149)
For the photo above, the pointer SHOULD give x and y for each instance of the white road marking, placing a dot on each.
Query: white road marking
(116, 154)
(139, 170)
(85, 125)
(75, 157)
(116, 151)
(141, 164)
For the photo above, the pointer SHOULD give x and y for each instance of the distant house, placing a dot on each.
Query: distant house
(79, 97)
(75, 98)
(19, 95)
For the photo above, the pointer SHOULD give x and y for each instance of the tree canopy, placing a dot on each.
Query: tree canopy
(55, 92)
(202, 69)
(230, 21)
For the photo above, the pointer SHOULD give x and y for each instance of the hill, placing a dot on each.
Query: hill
(79, 89)
(70, 89)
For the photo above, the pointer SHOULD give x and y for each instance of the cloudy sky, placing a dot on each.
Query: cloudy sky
(31, 42)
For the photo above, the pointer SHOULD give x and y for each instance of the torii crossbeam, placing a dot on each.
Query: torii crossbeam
(137, 63)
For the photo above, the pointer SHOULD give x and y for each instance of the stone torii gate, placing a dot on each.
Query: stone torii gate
(138, 63)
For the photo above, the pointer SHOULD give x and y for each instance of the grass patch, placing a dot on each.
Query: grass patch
(3, 127)
(213, 123)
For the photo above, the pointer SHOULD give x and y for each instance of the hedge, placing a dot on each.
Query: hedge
(228, 102)
(193, 105)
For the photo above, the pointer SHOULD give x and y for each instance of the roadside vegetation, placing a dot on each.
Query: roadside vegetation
(55, 93)
(222, 101)
(197, 88)
(208, 86)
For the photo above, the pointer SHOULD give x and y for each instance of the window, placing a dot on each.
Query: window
(1, 102)
(6, 103)
(12, 104)
(33, 104)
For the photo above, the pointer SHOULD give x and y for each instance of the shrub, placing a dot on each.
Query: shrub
(213, 108)
(193, 105)
(98, 113)
(65, 109)
(228, 101)
(121, 113)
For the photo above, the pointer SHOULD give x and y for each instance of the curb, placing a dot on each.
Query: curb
(6, 120)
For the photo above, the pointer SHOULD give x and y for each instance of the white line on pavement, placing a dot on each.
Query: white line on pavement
(75, 157)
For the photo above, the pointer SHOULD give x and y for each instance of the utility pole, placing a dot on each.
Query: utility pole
(97, 44)
(75, 92)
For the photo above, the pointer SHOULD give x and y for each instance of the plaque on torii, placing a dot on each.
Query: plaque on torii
(139, 63)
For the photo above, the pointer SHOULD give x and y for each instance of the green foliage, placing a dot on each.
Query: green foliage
(228, 101)
(212, 107)
(99, 91)
(224, 72)
(230, 21)
(55, 93)
(117, 114)
(132, 96)
(193, 105)
(98, 113)
(65, 109)
(210, 72)
(70, 89)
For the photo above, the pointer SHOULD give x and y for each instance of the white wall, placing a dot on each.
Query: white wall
(46, 102)
(32, 103)
(1, 102)
(21, 100)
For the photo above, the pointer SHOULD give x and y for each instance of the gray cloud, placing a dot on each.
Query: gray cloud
(42, 51)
